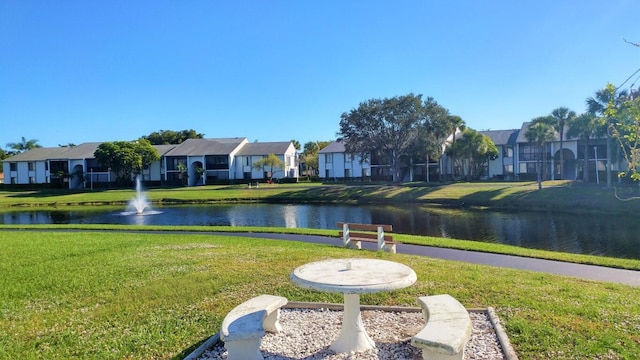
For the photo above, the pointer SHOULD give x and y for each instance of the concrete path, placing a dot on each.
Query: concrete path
(590, 272)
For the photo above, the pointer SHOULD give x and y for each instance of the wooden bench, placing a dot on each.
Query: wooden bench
(353, 239)
(245, 325)
(447, 329)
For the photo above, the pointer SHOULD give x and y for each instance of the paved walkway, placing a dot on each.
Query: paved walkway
(590, 272)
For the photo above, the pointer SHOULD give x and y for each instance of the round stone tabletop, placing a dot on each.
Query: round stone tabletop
(353, 276)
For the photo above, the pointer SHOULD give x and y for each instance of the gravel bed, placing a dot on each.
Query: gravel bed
(307, 334)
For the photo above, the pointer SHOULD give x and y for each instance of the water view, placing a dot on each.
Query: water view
(615, 236)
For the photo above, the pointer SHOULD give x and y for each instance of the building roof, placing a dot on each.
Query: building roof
(37, 154)
(502, 137)
(335, 147)
(265, 148)
(222, 146)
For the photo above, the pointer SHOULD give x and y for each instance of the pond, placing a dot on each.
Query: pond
(615, 236)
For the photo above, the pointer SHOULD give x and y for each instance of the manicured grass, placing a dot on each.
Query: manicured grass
(114, 295)
(631, 264)
(562, 196)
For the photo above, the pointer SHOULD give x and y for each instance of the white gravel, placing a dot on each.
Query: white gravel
(307, 334)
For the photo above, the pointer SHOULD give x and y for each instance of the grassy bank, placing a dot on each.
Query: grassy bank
(562, 196)
(630, 264)
(144, 296)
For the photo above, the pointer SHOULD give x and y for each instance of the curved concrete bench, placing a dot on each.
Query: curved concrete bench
(245, 325)
(447, 329)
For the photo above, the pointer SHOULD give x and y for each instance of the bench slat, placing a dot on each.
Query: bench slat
(366, 236)
(366, 227)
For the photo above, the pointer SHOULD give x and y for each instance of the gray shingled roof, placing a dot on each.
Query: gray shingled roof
(264, 148)
(502, 137)
(82, 151)
(222, 146)
(335, 147)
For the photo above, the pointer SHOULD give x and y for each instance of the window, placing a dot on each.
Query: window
(247, 161)
(528, 168)
(32, 166)
(173, 162)
(32, 180)
(507, 151)
(347, 173)
(13, 167)
(508, 169)
(328, 158)
(217, 161)
(529, 152)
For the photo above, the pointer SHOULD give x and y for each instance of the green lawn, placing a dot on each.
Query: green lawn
(114, 295)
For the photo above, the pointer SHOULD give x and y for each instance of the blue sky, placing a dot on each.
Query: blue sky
(80, 71)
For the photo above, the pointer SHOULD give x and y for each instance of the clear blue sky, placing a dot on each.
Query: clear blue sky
(80, 71)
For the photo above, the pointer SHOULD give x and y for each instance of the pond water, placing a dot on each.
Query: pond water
(615, 236)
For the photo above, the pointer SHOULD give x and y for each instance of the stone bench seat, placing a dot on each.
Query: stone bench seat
(245, 325)
(447, 329)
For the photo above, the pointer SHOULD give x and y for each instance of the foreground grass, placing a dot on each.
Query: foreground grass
(150, 296)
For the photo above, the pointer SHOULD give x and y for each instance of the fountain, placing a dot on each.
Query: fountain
(139, 204)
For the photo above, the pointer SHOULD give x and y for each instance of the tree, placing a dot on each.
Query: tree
(272, 161)
(561, 117)
(24, 145)
(296, 144)
(310, 153)
(585, 126)
(627, 132)
(474, 150)
(540, 132)
(385, 127)
(454, 123)
(3, 155)
(166, 137)
(606, 104)
(126, 158)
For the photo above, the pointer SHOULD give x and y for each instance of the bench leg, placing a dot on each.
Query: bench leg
(245, 349)
(271, 323)
(390, 248)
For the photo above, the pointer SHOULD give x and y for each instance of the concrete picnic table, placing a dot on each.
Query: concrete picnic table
(353, 277)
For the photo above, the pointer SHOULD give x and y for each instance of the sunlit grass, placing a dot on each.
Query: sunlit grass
(96, 295)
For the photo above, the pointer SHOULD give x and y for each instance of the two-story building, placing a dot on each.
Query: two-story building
(193, 162)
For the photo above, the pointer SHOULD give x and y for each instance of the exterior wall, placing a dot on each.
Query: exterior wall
(22, 174)
(337, 165)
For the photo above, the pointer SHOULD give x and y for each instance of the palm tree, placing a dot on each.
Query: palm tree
(585, 126)
(561, 116)
(540, 132)
(454, 123)
(24, 145)
(606, 104)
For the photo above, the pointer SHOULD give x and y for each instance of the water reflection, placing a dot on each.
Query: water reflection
(586, 234)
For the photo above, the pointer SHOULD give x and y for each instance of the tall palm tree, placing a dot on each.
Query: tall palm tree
(24, 145)
(561, 116)
(606, 104)
(454, 124)
(540, 132)
(585, 126)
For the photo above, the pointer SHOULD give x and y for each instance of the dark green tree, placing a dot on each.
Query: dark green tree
(606, 104)
(126, 158)
(24, 145)
(584, 126)
(166, 137)
(540, 132)
(385, 127)
(560, 118)
(474, 152)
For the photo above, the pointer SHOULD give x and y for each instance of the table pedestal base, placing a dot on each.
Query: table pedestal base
(353, 336)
